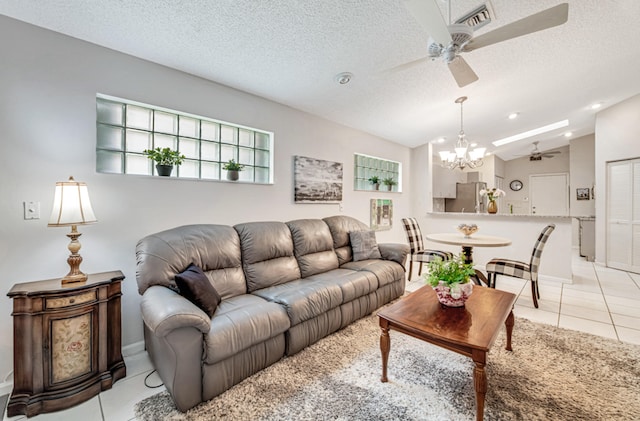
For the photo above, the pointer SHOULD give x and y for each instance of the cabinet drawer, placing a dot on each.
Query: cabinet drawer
(85, 297)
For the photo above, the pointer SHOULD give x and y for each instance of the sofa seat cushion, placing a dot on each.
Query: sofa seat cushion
(386, 271)
(354, 284)
(241, 322)
(303, 299)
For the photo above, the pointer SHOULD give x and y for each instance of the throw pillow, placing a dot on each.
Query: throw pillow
(195, 287)
(364, 245)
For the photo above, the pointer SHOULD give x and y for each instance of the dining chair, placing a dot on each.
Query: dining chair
(517, 269)
(417, 251)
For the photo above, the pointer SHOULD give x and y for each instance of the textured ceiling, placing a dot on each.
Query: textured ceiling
(291, 50)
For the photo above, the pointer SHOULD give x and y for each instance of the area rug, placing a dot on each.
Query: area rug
(552, 374)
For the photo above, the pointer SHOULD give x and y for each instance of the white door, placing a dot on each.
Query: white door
(623, 215)
(549, 194)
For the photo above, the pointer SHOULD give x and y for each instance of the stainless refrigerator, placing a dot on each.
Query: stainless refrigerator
(468, 198)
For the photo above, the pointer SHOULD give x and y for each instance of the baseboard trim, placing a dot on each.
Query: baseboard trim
(6, 388)
(133, 349)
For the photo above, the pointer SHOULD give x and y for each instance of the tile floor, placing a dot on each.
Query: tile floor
(600, 301)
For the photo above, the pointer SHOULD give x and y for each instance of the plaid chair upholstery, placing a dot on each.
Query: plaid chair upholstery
(517, 269)
(416, 246)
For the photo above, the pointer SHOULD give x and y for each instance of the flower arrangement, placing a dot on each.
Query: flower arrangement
(492, 194)
(451, 272)
(451, 280)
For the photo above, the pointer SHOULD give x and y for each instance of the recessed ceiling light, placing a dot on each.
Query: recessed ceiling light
(596, 105)
(441, 140)
(568, 134)
(473, 145)
(513, 115)
(524, 135)
(344, 78)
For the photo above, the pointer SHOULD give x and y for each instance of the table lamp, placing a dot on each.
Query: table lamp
(72, 207)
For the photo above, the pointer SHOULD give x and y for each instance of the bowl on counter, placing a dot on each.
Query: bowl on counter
(467, 229)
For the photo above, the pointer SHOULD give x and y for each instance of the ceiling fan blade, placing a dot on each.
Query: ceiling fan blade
(406, 66)
(462, 72)
(428, 14)
(546, 19)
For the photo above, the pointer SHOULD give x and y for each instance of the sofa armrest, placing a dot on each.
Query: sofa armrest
(164, 310)
(394, 251)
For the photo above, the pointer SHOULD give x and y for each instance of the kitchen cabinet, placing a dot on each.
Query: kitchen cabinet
(444, 181)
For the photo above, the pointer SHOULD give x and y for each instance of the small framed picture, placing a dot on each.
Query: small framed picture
(582, 193)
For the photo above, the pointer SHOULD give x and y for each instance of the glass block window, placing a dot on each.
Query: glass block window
(366, 167)
(125, 129)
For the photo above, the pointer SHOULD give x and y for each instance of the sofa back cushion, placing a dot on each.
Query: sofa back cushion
(340, 227)
(267, 254)
(214, 248)
(313, 246)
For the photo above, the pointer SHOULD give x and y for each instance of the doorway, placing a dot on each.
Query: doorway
(549, 194)
(623, 215)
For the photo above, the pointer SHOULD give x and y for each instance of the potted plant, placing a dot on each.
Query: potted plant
(165, 159)
(233, 169)
(451, 280)
(389, 182)
(375, 180)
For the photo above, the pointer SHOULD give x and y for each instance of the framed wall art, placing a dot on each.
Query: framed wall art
(582, 193)
(316, 180)
(381, 214)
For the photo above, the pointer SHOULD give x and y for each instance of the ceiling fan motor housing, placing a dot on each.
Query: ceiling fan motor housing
(460, 35)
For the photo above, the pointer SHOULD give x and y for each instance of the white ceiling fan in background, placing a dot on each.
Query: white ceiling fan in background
(537, 155)
(448, 42)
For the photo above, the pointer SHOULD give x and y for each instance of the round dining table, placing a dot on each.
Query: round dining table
(468, 243)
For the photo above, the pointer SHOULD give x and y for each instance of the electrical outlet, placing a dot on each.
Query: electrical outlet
(31, 210)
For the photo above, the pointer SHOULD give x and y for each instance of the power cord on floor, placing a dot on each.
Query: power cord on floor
(151, 387)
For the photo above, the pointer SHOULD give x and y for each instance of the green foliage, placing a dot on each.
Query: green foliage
(374, 179)
(164, 156)
(453, 271)
(232, 165)
(389, 181)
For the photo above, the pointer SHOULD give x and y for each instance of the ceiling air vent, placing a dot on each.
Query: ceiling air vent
(478, 17)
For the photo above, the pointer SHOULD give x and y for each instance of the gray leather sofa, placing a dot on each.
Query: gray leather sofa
(283, 286)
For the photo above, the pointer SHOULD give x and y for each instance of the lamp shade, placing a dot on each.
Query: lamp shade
(71, 204)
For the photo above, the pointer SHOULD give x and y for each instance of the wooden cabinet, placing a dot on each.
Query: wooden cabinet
(66, 342)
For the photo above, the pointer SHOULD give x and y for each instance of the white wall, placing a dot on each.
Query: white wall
(617, 129)
(48, 85)
(582, 175)
(522, 168)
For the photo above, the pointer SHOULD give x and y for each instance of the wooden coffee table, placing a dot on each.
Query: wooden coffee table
(469, 330)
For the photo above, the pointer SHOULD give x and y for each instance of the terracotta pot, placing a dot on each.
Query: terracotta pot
(492, 207)
(455, 298)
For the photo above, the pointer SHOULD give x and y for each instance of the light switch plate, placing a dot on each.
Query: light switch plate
(31, 210)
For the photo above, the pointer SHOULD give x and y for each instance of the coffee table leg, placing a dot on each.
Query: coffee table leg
(385, 346)
(509, 324)
(480, 385)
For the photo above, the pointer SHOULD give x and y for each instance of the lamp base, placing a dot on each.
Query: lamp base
(73, 279)
(74, 260)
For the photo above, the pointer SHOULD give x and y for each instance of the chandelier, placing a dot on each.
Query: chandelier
(462, 157)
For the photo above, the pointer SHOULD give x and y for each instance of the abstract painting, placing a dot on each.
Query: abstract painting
(317, 181)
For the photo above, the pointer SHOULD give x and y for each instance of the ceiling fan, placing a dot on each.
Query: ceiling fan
(448, 42)
(537, 155)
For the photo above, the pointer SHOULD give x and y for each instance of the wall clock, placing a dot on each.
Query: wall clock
(515, 185)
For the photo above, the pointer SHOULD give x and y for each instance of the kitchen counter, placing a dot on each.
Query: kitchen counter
(522, 230)
(498, 215)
